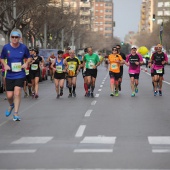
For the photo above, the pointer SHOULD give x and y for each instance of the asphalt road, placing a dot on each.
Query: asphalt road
(89, 133)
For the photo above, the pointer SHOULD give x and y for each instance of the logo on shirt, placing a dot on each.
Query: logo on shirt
(8, 52)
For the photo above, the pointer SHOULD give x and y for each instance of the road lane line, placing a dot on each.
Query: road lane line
(99, 89)
(17, 151)
(80, 131)
(160, 150)
(159, 140)
(101, 85)
(93, 150)
(102, 82)
(93, 102)
(99, 140)
(97, 95)
(32, 140)
(88, 113)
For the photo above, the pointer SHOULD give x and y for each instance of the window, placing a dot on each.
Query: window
(160, 4)
(159, 21)
(108, 35)
(167, 13)
(167, 4)
(108, 28)
(108, 16)
(101, 23)
(101, 11)
(160, 13)
(97, 10)
(101, 29)
(97, 4)
(101, 4)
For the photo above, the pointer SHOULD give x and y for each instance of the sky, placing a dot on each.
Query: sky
(127, 16)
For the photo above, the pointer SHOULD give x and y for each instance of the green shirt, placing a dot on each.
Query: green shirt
(91, 60)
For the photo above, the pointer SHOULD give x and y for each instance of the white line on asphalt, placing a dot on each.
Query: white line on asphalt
(159, 140)
(99, 140)
(99, 89)
(88, 113)
(17, 151)
(160, 150)
(101, 85)
(93, 102)
(93, 150)
(97, 95)
(80, 131)
(33, 140)
(102, 82)
(163, 80)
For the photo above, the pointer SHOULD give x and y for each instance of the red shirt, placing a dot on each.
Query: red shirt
(66, 55)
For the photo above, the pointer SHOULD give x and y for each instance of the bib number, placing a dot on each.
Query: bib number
(16, 67)
(59, 69)
(71, 67)
(34, 67)
(26, 72)
(113, 66)
(159, 71)
(91, 65)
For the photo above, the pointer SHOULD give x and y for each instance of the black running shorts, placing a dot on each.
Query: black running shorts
(12, 83)
(91, 72)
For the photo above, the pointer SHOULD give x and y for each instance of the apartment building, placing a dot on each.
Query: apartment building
(103, 17)
(153, 12)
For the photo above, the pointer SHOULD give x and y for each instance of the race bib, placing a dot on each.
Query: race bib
(16, 67)
(59, 68)
(113, 66)
(26, 72)
(34, 66)
(72, 67)
(91, 65)
(159, 71)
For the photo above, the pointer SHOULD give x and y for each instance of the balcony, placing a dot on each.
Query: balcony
(85, 5)
(85, 13)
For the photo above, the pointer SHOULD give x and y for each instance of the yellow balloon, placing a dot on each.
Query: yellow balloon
(143, 50)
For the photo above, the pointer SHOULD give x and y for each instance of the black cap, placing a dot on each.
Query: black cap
(60, 52)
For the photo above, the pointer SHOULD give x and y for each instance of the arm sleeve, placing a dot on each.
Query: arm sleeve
(127, 58)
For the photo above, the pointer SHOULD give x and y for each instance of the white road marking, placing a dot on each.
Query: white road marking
(159, 140)
(161, 150)
(93, 102)
(99, 140)
(99, 89)
(102, 82)
(17, 151)
(33, 140)
(88, 113)
(93, 150)
(101, 85)
(80, 131)
(97, 95)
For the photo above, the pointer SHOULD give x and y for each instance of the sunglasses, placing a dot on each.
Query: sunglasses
(14, 37)
(114, 49)
(118, 48)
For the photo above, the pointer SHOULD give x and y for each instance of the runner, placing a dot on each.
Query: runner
(121, 65)
(159, 59)
(51, 60)
(91, 62)
(84, 75)
(35, 72)
(74, 67)
(65, 55)
(114, 61)
(134, 60)
(59, 67)
(14, 52)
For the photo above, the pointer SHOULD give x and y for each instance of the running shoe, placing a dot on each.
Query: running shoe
(74, 94)
(58, 96)
(88, 94)
(92, 95)
(133, 94)
(136, 89)
(112, 94)
(155, 93)
(70, 95)
(33, 95)
(9, 110)
(16, 118)
(116, 93)
(36, 96)
(160, 93)
(25, 95)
